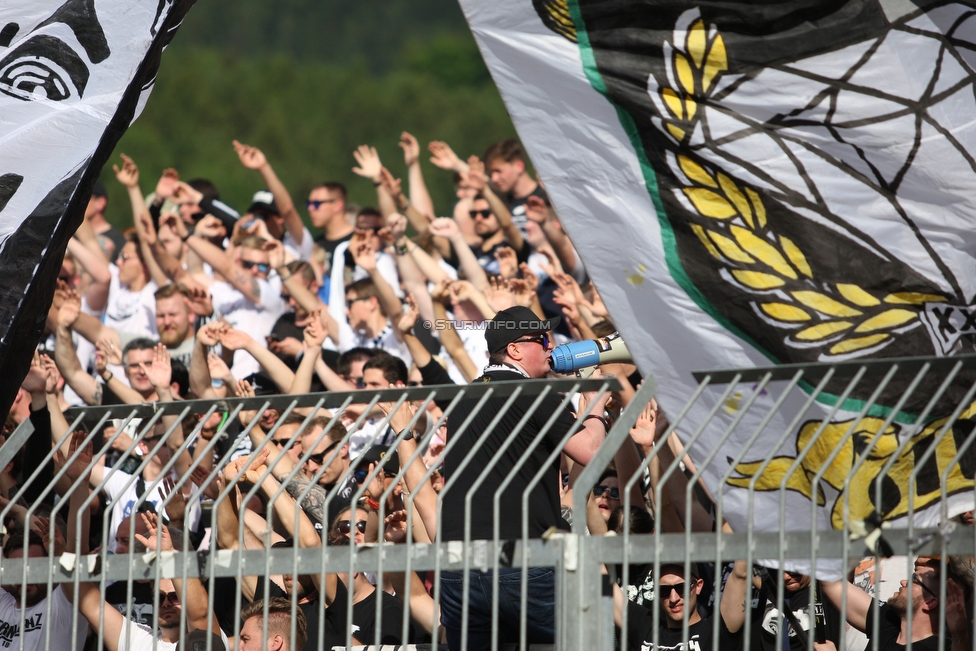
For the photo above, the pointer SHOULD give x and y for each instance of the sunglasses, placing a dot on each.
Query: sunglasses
(345, 526)
(375, 229)
(281, 442)
(173, 597)
(542, 340)
(350, 301)
(314, 205)
(484, 214)
(666, 590)
(600, 490)
(263, 267)
(319, 458)
(917, 579)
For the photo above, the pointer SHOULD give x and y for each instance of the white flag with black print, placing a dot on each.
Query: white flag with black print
(755, 184)
(73, 76)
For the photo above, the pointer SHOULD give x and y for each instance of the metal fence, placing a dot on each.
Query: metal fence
(584, 612)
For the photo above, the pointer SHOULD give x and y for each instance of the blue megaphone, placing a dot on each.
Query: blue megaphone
(570, 358)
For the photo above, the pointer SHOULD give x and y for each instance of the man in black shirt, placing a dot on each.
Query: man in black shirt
(519, 348)
(678, 598)
(918, 600)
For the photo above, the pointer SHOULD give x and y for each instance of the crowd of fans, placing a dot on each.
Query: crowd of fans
(196, 301)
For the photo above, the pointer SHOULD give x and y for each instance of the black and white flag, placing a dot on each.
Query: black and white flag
(73, 76)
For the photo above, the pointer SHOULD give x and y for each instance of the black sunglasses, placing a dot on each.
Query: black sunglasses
(542, 340)
(665, 590)
(917, 579)
(600, 489)
(319, 458)
(281, 442)
(263, 267)
(314, 205)
(484, 214)
(345, 526)
(172, 596)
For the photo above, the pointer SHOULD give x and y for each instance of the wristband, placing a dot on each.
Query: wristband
(606, 423)
(284, 278)
(377, 184)
(186, 237)
(109, 378)
(401, 250)
(372, 504)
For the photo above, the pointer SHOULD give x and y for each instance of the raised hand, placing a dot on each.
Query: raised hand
(596, 306)
(411, 149)
(444, 227)
(369, 163)
(209, 226)
(461, 290)
(409, 318)
(364, 255)
(396, 527)
(148, 233)
(160, 372)
(536, 209)
(167, 183)
(397, 225)
(276, 253)
(155, 529)
(129, 174)
(529, 277)
(70, 309)
(112, 344)
(174, 223)
(175, 507)
(444, 157)
(36, 379)
(209, 334)
(201, 477)
(199, 299)
(42, 527)
(566, 301)
(81, 466)
(184, 193)
(507, 262)
(315, 332)
(53, 374)
(234, 339)
(554, 266)
(475, 177)
(376, 487)
(251, 157)
(522, 292)
(390, 183)
(500, 296)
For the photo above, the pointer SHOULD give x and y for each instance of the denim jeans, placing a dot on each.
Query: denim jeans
(541, 607)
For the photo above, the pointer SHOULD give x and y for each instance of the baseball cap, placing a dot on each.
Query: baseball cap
(514, 323)
(98, 189)
(262, 384)
(263, 201)
(375, 455)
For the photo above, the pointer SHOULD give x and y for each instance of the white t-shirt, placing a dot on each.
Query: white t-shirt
(386, 340)
(37, 622)
(128, 311)
(299, 252)
(242, 314)
(137, 637)
(124, 501)
(386, 265)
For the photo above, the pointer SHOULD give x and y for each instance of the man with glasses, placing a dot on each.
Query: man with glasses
(247, 295)
(496, 232)
(327, 210)
(519, 347)
(677, 595)
(916, 600)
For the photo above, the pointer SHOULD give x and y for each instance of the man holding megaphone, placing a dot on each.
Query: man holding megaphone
(570, 358)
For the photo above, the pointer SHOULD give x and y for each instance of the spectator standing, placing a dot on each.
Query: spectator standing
(110, 240)
(505, 164)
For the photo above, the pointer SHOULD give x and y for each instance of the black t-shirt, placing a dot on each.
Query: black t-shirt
(486, 257)
(516, 205)
(117, 239)
(640, 633)
(765, 619)
(889, 627)
(142, 600)
(364, 616)
(330, 247)
(544, 509)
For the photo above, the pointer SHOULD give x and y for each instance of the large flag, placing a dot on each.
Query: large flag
(74, 74)
(755, 183)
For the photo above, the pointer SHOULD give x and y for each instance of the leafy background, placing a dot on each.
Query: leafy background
(308, 81)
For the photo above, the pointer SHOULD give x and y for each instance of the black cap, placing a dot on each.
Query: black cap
(263, 202)
(262, 384)
(98, 190)
(515, 323)
(376, 454)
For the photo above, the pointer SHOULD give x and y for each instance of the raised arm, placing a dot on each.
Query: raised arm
(128, 176)
(200, 380)
(858, 602)
(254, 159)
(66, 357)
(221, 261)
(370, 167)
(314, 336)
(276, 369)
(425, 499)
(536, 210)
(473, 271)
(476, 179)
(97, 268)
(419, 196)
(365, 257)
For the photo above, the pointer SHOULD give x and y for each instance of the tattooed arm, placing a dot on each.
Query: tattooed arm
(314, 502)
(225, 266)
